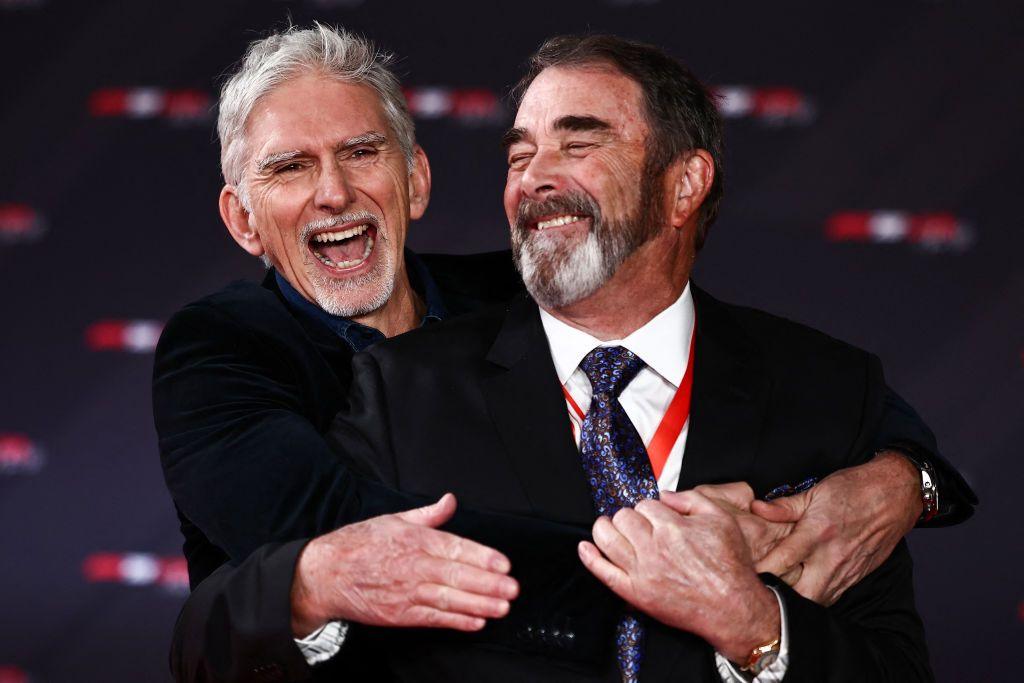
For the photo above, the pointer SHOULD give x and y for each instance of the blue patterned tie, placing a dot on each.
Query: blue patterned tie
(617, 467)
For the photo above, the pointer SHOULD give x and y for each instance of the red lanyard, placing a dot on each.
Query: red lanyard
(672, 423)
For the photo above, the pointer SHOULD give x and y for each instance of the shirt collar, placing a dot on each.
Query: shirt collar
(359, 336)
(663, 343)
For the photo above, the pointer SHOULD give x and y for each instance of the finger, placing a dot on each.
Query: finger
(737, 493)
(657, 513)
(446, 546)
(689, 502)
(433, 515)
(606, 572)
(448, 599)
(613, 544)
(788, 509)
(468, 578)
(793, 550)
(430, 617)
(793, 575)
(631, 524)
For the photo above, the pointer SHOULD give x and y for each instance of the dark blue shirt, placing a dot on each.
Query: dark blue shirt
(360, 337)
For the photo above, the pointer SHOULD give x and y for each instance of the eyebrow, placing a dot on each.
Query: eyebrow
(512, 136)
(572, 123)
(276, 158)
(581, 123)
(368, 138)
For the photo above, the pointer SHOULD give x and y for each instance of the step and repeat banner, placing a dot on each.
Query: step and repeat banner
(873, 154)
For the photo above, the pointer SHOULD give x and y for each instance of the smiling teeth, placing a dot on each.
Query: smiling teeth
(555, 222)
(348, 264)
(339, 236)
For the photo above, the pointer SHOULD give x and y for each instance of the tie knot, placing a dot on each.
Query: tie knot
(610, 369)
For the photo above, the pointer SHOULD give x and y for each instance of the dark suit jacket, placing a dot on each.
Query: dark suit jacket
(243, 391)
(475, 407)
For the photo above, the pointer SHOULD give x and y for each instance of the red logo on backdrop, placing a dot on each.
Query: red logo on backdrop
(774, 106)
(12, 674)
(20, 223)
(466, 105)
(19, 454)
(137, 569)
(151, 103)
(135, 336)
(936, 231)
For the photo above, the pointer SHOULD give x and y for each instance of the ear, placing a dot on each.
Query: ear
(237, 220)
(419, 184)
(693, 179)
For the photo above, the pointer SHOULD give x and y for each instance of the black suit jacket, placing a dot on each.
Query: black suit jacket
(243, 391)
(475, 407)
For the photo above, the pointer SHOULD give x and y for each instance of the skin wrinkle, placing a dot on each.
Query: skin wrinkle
(323, 155)
(609, 169)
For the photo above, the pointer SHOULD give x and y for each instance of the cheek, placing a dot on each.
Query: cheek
(511, 197)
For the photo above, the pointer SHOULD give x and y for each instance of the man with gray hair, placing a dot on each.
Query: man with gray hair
(322, 178)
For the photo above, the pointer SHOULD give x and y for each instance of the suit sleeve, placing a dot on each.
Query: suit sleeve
(873, 633)
(902, 429)
(236, 624)
(242, 461)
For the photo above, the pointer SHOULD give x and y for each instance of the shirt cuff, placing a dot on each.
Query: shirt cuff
(323, 643)
(774, 671)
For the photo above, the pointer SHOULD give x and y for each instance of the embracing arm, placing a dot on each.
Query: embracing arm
(241, 456)
(847, 525)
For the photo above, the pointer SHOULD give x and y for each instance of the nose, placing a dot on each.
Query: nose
(544, 175)
(333, 191)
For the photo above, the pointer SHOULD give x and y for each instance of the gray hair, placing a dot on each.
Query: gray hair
(280, 57)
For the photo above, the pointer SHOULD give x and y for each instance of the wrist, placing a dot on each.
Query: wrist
(307, 616)
(901, 468)
(762, 625)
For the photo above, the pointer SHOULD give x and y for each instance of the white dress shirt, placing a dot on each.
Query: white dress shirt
(663, 344)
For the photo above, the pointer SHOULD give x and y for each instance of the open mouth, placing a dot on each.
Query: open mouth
(564, 221)
(345, 247)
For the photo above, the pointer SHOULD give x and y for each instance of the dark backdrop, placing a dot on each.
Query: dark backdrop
(873, 191)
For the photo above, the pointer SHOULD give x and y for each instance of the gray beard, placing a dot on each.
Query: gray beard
(350, 298)
(560, 271)
(558, 274)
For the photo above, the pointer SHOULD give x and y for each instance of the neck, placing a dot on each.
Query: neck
(401, 313)
(646, 283)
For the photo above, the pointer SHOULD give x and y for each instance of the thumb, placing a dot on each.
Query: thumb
(788, 509)
(433, 515)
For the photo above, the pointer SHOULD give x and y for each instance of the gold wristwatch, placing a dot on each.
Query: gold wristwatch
(761, 657)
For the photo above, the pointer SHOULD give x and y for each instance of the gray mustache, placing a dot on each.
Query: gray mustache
(571, 203)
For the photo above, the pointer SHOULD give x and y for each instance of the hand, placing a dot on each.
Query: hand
(846, 526)
(691, 571)
(400, 570)
(735, 498)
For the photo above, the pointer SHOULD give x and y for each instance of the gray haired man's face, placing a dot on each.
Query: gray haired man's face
(329, 192)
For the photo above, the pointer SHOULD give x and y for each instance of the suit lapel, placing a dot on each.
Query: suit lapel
(730, 390)
(528, 411)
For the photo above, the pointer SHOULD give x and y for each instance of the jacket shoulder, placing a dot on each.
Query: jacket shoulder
(454, 342)
(782, 339)
(471, 281)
